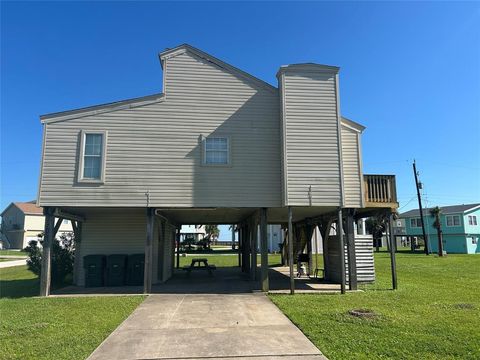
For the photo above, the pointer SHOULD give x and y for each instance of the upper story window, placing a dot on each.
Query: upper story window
(416, 222)
(65, 221)
(472, 220)
(453, 220)
(92, 156)
(217, 150)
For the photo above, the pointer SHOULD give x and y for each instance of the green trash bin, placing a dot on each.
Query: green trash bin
(94, 266)
(116, 270)
(135, 269)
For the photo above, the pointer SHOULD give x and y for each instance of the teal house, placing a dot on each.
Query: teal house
(460, 228)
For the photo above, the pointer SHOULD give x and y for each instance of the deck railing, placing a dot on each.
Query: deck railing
(380, 188)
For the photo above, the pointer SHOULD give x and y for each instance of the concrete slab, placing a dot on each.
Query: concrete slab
(221, 326)
(7, 264)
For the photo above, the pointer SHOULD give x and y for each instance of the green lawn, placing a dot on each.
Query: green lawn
(226, 260)
(13, 252)
(54, 328)
(435, 314)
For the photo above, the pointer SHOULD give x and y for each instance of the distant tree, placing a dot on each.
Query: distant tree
(377, 225)
(211, 234)
(435, 213)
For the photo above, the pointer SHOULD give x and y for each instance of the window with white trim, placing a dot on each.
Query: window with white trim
(453, 220)
(216, 150)
(472, 220)
(92, 156)
(416, 222)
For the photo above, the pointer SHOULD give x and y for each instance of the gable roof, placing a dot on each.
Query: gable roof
(445, 210)
(181, 49)
(102, 108)
(28, 208)
(352, 124)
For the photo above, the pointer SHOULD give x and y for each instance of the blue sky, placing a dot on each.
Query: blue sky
(410, 72)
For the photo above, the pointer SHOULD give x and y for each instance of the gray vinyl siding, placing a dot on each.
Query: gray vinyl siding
(351, 168)
(363, 255)
(310, 123)
(124, 231)
(157, 147)
(111, 231)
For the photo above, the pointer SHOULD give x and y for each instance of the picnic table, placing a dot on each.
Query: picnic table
(197, 265)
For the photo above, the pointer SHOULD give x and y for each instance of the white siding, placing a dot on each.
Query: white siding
(157, 147)
(310, 125)
(351, 168)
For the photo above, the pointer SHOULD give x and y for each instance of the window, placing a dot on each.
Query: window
(65, 221)
(217, 151)
(92, 156)
(453, 220)
(472, 220)
(416, 223)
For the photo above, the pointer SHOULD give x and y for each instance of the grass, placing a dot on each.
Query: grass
(435, 314)
(13, 252)
(54, 328)
(227, 260)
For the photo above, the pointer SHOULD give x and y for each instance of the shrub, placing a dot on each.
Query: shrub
(63, 251)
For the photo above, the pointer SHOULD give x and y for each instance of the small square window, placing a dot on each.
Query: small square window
(217, 151)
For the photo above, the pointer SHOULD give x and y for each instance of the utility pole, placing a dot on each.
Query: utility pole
(418, 185)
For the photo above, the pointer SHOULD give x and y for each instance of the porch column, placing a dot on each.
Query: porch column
(309, 229)
(352, 259)
(77, 230)
(147, 277)
(393, 262)
(341, 250)
(178, 247)
(233, 236)
(254, 244)
(290, 250)
(264, 249)
(45, 274)
(239, 247)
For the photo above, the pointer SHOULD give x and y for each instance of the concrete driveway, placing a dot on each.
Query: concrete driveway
(207, 326)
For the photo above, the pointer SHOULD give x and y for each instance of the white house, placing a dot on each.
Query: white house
(23, 221)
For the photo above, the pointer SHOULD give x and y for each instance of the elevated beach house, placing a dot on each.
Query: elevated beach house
(460, 226)
(217, 146)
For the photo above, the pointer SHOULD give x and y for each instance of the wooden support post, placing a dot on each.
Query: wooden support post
(393, 262)
(45, 274)
(239, 247)
(178, 247)
(342, 250)
(254, 245)
(264, 249)
(233, 236)
(77, 230)
(325, 239)
(290, 250)
(309, 229)
(147, 281)
(352, 258)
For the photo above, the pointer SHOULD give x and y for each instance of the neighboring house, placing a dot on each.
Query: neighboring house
(218, 146)
(460, 226)
(195, 231)
(23, 221)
